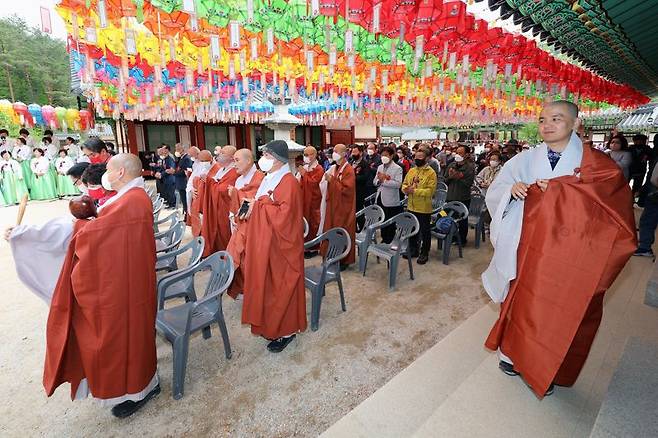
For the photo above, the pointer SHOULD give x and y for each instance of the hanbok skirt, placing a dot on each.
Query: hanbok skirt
(28, 176)
(65, 186)
(13, 188)
(44, 187)
(2, 200)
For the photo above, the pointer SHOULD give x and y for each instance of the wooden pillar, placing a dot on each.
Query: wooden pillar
(351, 134)
(132, 137)
(324, 137)
(200, 136)
(247, 136)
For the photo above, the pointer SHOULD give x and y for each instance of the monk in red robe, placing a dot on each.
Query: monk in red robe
(340, 210)
(215, 227)
(572, 210)
(100, 334)
(274, 295)
(203, 166)
(310, 176)
(245, 187)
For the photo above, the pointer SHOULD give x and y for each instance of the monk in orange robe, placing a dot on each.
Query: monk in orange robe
(246, 187)
(310, 176)
(340, 210)
(200, 170)
(274, 295)
(215, 227)
(578, 231)
(100, 334)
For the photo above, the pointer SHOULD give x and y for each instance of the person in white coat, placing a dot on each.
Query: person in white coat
(388, 181)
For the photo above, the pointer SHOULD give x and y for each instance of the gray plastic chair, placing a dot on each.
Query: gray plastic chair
(476, 218)
(151, 191)
(457, 211)
(170, 239)
(406, 225)
(172, 219)
(157, 206)
(374, 215)
(317, 277)
(439, 198)
(178, 323)
(168, 261)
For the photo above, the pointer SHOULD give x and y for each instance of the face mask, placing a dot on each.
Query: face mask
(419, 162)
(83, 189)
(177, 154)
(96, 194)
(371, 152)
(336, 156)
(96, 160)
(193, 159)
(493, 163)
(105, 182)
(307, 160)
(459, 158)
(386, 160)
(265, 164)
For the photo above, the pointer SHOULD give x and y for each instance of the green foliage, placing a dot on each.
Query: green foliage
(33, 66)
(530, 133)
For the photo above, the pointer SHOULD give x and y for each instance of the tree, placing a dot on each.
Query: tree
(34, 68)
(530, 133)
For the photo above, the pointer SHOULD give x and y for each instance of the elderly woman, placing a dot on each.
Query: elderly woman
(618, 151)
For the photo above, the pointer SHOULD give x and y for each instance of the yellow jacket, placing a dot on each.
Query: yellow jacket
(420, 201)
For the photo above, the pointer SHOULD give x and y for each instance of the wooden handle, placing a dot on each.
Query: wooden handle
(21, 209)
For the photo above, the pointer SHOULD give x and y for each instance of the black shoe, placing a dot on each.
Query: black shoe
(643, 252)
(413, 255)
(550, 390)
(310, 254)
(343, 267)
(129, 407)
(507, 368)
(422, 260)
(278, 345)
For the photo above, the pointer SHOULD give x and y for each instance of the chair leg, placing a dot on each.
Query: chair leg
(362, 257)
(393, 271)
(206, 332)
(447, 244)
(459, 245)
(224, 331)
(365, 264)
(340, 291)
(316, 303)
(411, 268)
(180, 348)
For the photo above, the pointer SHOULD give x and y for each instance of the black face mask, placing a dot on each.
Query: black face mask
(419, 162)
(356, 157)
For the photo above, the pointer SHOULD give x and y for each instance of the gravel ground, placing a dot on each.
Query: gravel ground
(319, 378)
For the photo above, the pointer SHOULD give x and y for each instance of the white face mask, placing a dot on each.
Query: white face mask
(307, 160)
(265, 164)
(177, 154)
(105, 182)
(385, 160)
(371, 152)
(459, 158)
(493, 163)
(336, 156)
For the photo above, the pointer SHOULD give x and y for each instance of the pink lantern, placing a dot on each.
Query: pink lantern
(49, 117)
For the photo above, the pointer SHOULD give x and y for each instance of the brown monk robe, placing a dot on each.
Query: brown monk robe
(340, 210)
(204, 163)
(100, 334)
(215, 227)
(245, 188)
(310, 176)
(577, 234)
(274, 295)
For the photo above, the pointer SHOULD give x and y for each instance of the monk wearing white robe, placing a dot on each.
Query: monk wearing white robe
(562, 229)
(100, 334)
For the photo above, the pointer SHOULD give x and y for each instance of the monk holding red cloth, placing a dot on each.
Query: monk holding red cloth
(340, 194)
(310, 176)
(215, 227)
(274, 295)
(100, 334)
(562, 229)
(245, 187)
(200, 169)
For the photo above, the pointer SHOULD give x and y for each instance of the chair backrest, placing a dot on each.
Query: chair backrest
(157, 205)
(374, 215)
(172, 219)
(338, 245)
(174, 235)
(221, 276)
(150, 190)
(456, 210)
(440, 196)
(196, 245)
(476, 206)
(406, 225)
(442, 186)
(306, 227)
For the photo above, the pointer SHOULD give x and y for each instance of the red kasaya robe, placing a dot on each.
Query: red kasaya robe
(236, 244)
(216, 229)
(576, 238)
(204, 203)
(310, 184)
(341, 206)
(101, 324)
(274, 296)
(194, 215)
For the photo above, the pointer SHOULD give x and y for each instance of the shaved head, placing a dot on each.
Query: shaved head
(570, 109)
(311, 152)
(340, 148)
(244, 160)
(130, 163)
(229, 150)
(205, 155)
(194, 152)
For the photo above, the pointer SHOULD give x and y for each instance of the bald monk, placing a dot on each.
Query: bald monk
(274, 296)
(201, 167)
(340, 199)
(245, 187)
(100, 333)
(215, 226)
(310, 176)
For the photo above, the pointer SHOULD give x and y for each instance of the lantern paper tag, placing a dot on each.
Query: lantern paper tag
(172, 49)
(376, 18)
(234, 34)
(385, 78)
(194, 23)
(350, 61)
(444, 59)
(563, 92)
(245, 83)
(453, 61)
(428, 69)
(310, 60)
(254, 48)
(263, 81)
(199, 68)
(231, 71)
(131, 44)
(74, 25)
(188, 6)
(90, 32)
(189, 79)
(321, 80)
(373, 74)
(394, 53)
(327, 35)
(270, 41)
(349, 41)
(250, 11)
(402, 30)
(315, 7)
(415, 67)
(465, 60)
(243, 61)
(157, 74)
(124, 67)
(332, 55)
(508, 71)
(102, 14)
(420, 44)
